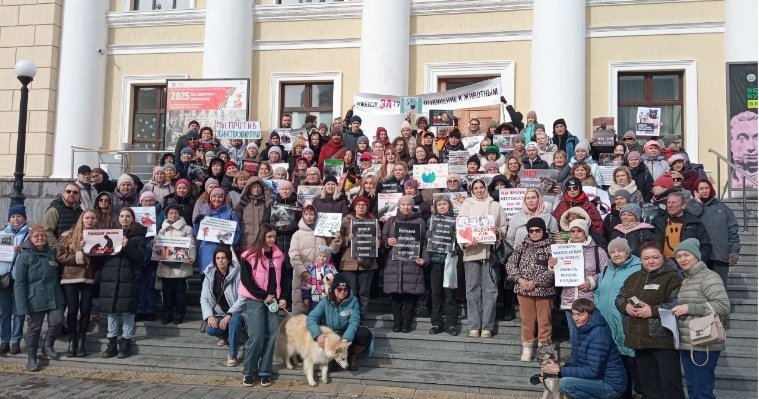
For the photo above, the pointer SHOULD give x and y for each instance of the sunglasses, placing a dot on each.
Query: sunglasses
(72, 192)
(573, 188)
(535, 231)
(628, 139)
(342, 289)
(677, 179)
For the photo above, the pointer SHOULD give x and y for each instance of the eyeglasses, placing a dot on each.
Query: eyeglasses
(72, 192)
(628, 139)
(342, 289)
(453, 181)
(573, 188)
(535, 231)
(576, 230)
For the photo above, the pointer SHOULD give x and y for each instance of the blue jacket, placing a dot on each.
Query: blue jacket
(607, 289)
(595, 355)
(344, 319)
(206, 248)
(19, 237)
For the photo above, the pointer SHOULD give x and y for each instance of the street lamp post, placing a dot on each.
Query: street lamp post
(25, 71)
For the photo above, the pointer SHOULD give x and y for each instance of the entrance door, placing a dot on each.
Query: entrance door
(484, 114)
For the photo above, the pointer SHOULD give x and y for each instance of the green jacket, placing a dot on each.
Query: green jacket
(658, 289)
(37, 288)
(701, 285)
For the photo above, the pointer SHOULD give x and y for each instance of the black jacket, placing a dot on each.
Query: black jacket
(120, 276)
(692, 228)
(643, 180)
(538, 163)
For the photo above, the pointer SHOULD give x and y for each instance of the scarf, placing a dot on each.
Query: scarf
(630, 188)
(538, 211)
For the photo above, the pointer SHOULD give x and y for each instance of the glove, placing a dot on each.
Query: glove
(503, 100)
(733, 258)
(199, 218)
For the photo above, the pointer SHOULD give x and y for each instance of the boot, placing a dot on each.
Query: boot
(110, 350)
(168, 317)
(48, 349)
(527, 350)
(354, 355)
(125, 348)
(71, 351)
(80, 352)
(32, 363)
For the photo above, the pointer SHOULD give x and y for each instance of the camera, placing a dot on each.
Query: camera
(535, 379)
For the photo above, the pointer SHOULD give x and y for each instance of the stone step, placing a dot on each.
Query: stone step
(743, 305)
(741, 291)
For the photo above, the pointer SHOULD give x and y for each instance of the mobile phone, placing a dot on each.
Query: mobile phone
(635, 302)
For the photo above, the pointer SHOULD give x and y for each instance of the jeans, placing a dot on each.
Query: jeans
(700, 380)
(481, 294)
(148, 296)
(580, 388)
(11, 324)
(34, 324)
(443, 301)
(361, 283)
(174, 295)
(127, 321)
(262, 332)
(571, 324)
(231, 334)
(660, 369)
(78, 303)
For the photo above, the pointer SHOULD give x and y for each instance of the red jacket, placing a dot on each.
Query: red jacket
(596, 221)
(328, 151)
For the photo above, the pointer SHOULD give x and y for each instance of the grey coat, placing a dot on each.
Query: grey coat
(722, 225)
(208, 304)
(700, 286)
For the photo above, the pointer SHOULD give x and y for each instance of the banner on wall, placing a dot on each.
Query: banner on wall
(742, 105)
(206, 101)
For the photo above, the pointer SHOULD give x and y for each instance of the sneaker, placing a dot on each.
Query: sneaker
(474, 333)
(248, 381)
(453, 331)
(222, 342)
(435, 330)
(265, 381)
(231, 361)
(486, 334)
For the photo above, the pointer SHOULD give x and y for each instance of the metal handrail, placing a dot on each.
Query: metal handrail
(731, 167)
(125, 164)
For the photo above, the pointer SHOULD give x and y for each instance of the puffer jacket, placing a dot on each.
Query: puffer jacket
(595, 356)
(36, 288)
(607, 288)
(208, 305)
(250, 211)
(347, 261)
(120, 277)
(635, 235)
(530, 261)
(175, 269)
(76, 267)
(335, 203)
(722, 225)
(700, 286)
(206, 248)
(592, 272)
(124, 201)
(19, 236)
(303, 248)
(656, 166)
(344, 318)
(659, 290)
(259, 272)
(404, 277)
(477, 207)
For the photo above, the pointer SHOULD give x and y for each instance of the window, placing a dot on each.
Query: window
(149, 5)
(148, 124)
(306, 98)
(651, 89)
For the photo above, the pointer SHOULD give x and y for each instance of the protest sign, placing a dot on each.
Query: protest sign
(306, 194)
(606, 165)
(387, 205)
(145, 216)
(217, 230)
(409, 245)
(475, 228)
(246, 130)
(285, 216)
(604, 138)
(504, 142)
(412, 105)
(171, 249)
(99, 242)
(600, 198)
(472, 144)
(431, 175)
(648, 121)
(364, 241)
(511, 200)
(570, 271)
(251, 167)
(457, 199)
(327, 224)
(544, 180)
(285, 137)
(457, 161)
(441, 117)
(333, 167)
(603, 123)
(7, 242)
(441, 237)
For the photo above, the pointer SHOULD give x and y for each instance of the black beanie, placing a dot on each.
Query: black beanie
(537, 223)
(475, 159)
(339, 280)
(573, 181)
(559, 121)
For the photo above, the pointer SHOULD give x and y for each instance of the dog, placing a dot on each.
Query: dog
(294, 339)
(547, 354)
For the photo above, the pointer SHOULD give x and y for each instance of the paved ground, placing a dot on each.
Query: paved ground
(65, 382)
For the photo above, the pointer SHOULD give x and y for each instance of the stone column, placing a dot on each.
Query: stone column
(384, 47)
(740, 30)
(557, 72)
(81, 85)
(228, 41)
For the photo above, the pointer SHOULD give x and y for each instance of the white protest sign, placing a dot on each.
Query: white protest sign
(327, 224)
(102, 242)
(511, 200)
(238, 130)
(431, 175)
(570, 271)
(217, 230)
(145, 216)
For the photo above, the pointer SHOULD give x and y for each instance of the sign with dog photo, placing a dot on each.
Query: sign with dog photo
(327, 224)
(217, 230)
(570, 271)
(103, 242)
(6, 247)
(171, 249)
(544, 180)
(364, 241)
(306, 194)
(409, 245)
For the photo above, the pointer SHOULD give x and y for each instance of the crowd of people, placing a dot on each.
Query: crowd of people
(652, 244)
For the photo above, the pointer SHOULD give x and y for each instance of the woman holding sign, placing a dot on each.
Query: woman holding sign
(174, 273)
(218, 208)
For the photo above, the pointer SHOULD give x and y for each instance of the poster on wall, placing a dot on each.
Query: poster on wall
(206, 101)
(648, 121)
(742, 105)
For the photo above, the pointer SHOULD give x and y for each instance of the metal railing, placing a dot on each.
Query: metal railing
(731, 167)
(117, 162)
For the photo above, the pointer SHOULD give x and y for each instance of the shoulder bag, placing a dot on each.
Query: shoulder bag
(706, 330)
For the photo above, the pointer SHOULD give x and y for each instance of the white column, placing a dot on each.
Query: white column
(81, 85)
(228, 42)
(557, 72)
(384, 47)
(740, 38)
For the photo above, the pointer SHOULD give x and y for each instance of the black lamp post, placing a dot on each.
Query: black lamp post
(25, 71)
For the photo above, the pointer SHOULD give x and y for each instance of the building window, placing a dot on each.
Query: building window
(302, 99)
(663, 89)
(148, 121)
(149, 5)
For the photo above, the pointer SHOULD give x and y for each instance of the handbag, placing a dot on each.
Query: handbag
(706, 330)
(5, 280)
(500, 253)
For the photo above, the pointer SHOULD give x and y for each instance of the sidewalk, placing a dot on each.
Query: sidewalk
(68, 382)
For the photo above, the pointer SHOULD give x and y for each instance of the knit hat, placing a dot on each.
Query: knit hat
(583, 145)
(623, 193)
(676, 157)
(619, 243)
(356, 118)
(633, 155)
(210, 181)
(217, 191)
(323, 126)
(632, 208)
(475, 159)
(314, 169)
(192, 134)
(340, 280)
(364, 139)
(125, 178)
(533, 145)
(580, 223)
(158, 169)
(532, 114)
(537, 222)
(310, 151)
(649, 143)
(302, 159)
(365, 157)
(669, 139)
(490, 164)
(411, 183)
(520, 137)
(275, 149)
(690, 245)
(252, 144)
(17, 209)
(665, 181)
(323, 250)
(211, 153)
(182, 181)
(540, 126)
(455, 133)
(273, 134)
(492, 149)
(330, 178)
(186, 150)
(405, 125)
(573, 181)
(229, 163)
(406, 198)
(168, 166)
(559, 121)
(630, 134)
(360, 199)
(147, 194)
(379, 129)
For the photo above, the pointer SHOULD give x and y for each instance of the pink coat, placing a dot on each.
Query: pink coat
(571, 294)
(260, 271)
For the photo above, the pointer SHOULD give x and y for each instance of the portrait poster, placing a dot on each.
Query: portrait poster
(441, 237)
(457, 162)
(328, 224)
(100, 242)
(511, 200)
(387, 205)
(544, 180)
(475, 227)
(412, 105)
(217, 230)
(742, 121)
(409, 245)
(285, 216)
(245, 130)
(648, 121)
(457, 199)
(606, 165)
(431, 175)
(171, 249)
(441, 117)
(306, 194)
(203, 100)
(472, 144)
(7, 242)
(364, 241)
(146, 217)
(570, 271)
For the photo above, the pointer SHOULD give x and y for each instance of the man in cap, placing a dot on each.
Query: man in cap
(87, 191)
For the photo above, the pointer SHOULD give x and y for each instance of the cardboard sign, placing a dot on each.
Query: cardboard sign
(442, 234)
(171, 249)
(246, 130)
(570, 271)
(457, 162)
(409, 246)
(387, 205)
(328, 224)
(306, 194)
(475, 227)
(511, 200)
(102, 242)
(457, 199)
(412, 105)
(472, 144)
(431, 175)
(285, 216)
(145, 216)
(648, 121)
(544, 180)
(217, 230)
(441, 117)
(364, 241)
(604, 138)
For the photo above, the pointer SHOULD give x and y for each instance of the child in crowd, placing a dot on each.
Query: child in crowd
(317, 278)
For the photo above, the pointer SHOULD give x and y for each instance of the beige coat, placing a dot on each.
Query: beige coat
(174, 269)
(476, 207)
(303, 248)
